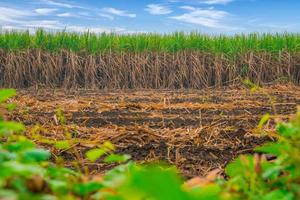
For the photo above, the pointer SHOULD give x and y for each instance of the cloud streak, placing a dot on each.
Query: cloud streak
(21, 20)
(45, 11)
(107, 16)
(60, 4)
(216, 1)
(117, 12)
(157, 9)
(66, 14)
(210, 18)
(12, 15)
(209, 2)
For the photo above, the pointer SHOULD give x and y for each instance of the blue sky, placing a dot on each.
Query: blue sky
(163, 16)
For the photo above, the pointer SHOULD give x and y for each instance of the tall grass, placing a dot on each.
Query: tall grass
(169, 61)
(176, 42)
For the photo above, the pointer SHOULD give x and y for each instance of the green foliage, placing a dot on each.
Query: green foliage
(84, 189)
(35, 155)
(153, 182)
(95, 154)
(10, 127)
(252, 86)
(64, 144)
(179, 41)
(27, 173)
(106, 148)
(262, 122)
(117, 158)
(6, 94)
(60, 116)
(253, 177)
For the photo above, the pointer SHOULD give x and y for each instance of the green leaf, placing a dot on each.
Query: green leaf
(7, 156)
(61, 172)
(272, 172)
(11, 106)
(153, 182)
(60, 116)
(263, 121)
(36, 155)
(108, 145)
(116, 177)
(84, 189)
(287, 130)
(240, 166)
(10, 127)
(5, 94)
(275, 149)
(19, 184)
(8, 194)
(20, 146)
(253, 87)
(117, 158)
(211, 192)
(105, 195)
(64, 144)
(95, 154)
(13, 168)
(279, 195)
(59, 186)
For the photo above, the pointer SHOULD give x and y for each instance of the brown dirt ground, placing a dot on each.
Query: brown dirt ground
(196, 130)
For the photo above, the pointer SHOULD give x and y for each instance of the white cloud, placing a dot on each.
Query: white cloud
(61, 4)
(210, 2)
(22, 19)
(157, 9)
(110, 17)
(217, 1)
(66, 14)
(11, 28)
(99, 30)
(30, 19)
(188, 7)
(33, 25)
(47, 24)
(54, 26)
(85, 14)
(205, 17)
(114, 11)
(12, 15)
(45, 11)
(94, 29)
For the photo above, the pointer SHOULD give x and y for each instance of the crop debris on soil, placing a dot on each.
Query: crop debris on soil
(196, 130)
